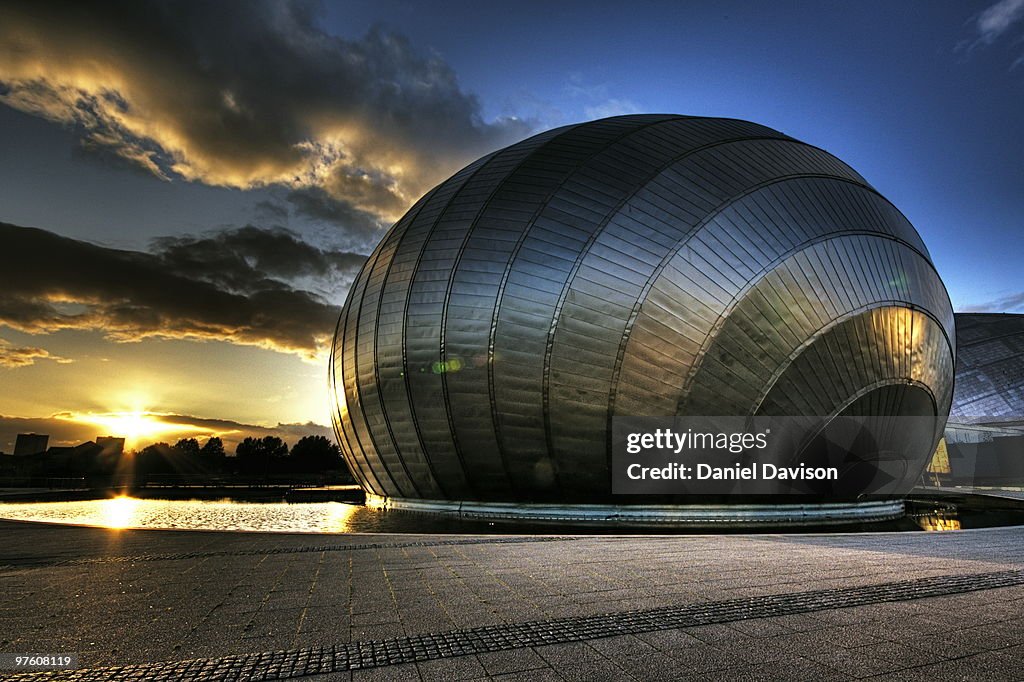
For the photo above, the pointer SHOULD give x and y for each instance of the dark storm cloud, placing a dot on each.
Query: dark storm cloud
(272, 211)
(246, 94)
(249, 258)
(231, 286)
(318, 204)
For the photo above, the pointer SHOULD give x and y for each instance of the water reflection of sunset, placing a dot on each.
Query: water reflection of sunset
(225, 514)
(339, 518)
(118, 512)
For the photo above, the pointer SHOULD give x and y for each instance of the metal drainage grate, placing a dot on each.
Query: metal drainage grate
(118, 559)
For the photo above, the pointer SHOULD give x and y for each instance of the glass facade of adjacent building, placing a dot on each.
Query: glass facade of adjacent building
(984, 439)
(990, 369)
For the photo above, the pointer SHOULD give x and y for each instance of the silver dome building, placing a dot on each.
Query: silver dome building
(635, 265)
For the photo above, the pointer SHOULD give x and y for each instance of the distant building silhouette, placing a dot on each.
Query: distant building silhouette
(68, 450)
(111, 445)
(30, 443)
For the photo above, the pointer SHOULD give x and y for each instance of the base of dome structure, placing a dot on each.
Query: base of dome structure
(662, 516)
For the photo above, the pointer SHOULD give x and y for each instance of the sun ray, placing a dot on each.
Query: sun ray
(137, 427)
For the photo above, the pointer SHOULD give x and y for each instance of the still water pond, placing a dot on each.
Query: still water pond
(337, 517)
(280, 517)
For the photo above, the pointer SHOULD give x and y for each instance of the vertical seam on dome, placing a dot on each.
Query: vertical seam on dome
(447, 297)
(355, 383)
(376, 365)
(513, 254)
(571, 275)
(332, 385)
(405, 318)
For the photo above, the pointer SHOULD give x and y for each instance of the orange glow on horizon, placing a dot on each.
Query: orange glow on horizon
(137, 427)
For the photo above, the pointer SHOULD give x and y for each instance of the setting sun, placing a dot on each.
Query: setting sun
(136, 427)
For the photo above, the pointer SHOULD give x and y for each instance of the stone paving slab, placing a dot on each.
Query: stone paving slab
(510, 648)
(150, 597)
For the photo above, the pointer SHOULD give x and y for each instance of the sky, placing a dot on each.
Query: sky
(188, 189)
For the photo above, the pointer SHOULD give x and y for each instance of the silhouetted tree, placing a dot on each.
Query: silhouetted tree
(154, 459)
(258, 455)
(271, 446)
(213, 449)
(213, 453)
(315, 453)
(185, 459)
(248, 454)
(187, 447)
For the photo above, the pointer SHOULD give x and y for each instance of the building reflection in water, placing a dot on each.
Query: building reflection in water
(940, 520)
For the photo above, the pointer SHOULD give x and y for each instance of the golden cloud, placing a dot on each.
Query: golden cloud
(24, 356)
(247, 99)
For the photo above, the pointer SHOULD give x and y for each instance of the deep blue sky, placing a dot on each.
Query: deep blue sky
(882, 85)
(925, 99)
(937, 129)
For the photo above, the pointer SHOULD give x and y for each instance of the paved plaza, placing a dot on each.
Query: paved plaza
(208, 605)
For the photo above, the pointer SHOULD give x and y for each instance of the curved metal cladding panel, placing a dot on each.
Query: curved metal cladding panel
(636, 265)
(989, 368)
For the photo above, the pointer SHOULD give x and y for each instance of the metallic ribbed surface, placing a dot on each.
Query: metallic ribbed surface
(989, 368)
(636, 265)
